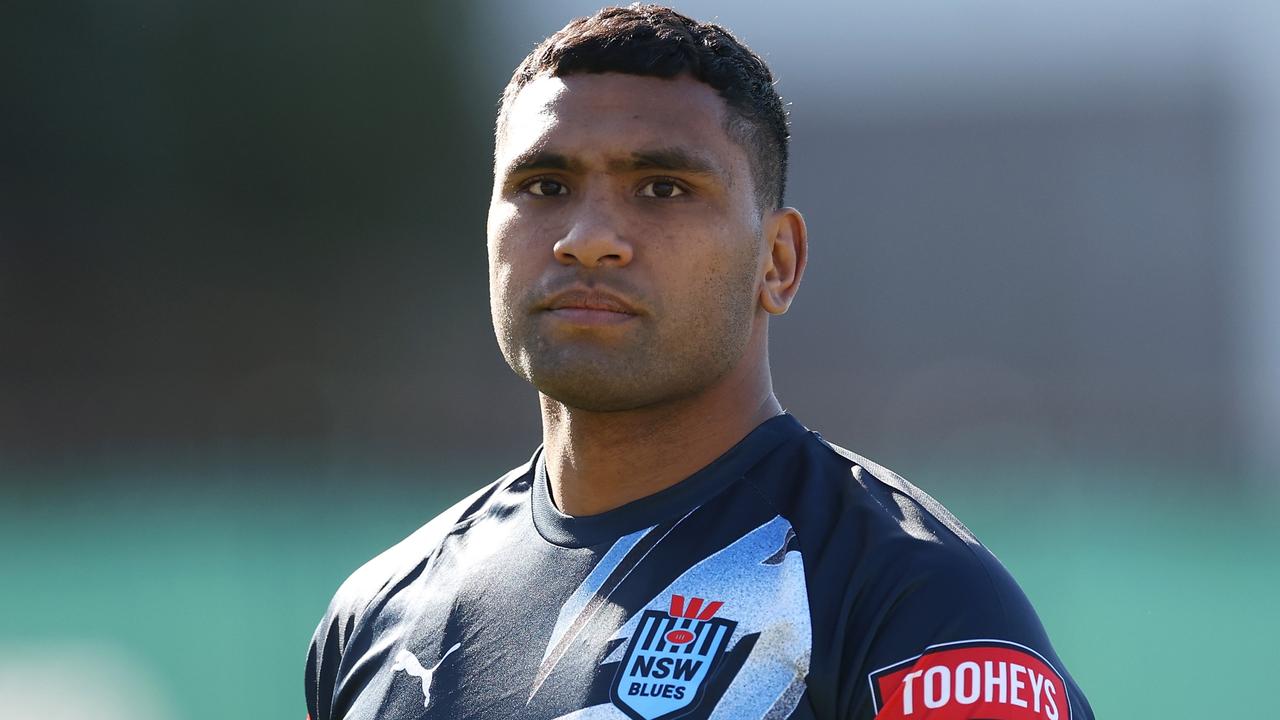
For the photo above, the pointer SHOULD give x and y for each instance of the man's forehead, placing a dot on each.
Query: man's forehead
(610, 117)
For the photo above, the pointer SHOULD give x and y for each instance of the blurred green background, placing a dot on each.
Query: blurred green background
(244, 334)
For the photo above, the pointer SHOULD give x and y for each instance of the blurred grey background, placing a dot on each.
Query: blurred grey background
(244, 334)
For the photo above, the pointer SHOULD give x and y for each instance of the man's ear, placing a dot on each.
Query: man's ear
(787, 242)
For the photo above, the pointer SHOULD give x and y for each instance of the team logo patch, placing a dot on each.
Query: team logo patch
(990, 679)
(669, 658)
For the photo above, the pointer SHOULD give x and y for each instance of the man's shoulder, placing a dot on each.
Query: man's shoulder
(908, 543)
(826, 481)
(894, 533)
(898, 500)
(359, 589)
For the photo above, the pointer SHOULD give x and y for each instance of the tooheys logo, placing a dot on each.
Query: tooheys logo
(669, 658)
(989, 679)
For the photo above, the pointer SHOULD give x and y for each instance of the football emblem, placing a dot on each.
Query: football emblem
(669, 659)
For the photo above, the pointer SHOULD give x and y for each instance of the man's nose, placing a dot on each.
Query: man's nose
(594, 239)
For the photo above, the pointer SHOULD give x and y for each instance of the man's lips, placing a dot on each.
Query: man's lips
(590, 307)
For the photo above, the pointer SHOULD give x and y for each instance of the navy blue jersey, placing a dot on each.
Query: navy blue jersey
(788, 579)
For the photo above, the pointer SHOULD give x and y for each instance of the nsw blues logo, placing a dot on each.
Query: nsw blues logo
(669, 659)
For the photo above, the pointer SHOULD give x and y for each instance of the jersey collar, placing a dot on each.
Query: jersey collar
(673, 502)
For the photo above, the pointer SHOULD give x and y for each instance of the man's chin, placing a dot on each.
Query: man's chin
(602, 397)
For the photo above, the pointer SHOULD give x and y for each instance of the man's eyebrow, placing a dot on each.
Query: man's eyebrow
(668, 159)
(538, 159)
(671, 159)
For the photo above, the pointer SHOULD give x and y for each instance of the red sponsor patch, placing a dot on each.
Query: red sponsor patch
(989, 679)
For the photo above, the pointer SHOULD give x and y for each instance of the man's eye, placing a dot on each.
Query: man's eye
(545, 188)
(661, 189)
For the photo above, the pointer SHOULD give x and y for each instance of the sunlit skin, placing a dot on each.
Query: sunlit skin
(632, 272)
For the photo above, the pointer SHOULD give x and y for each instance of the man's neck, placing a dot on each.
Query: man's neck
(597, 461)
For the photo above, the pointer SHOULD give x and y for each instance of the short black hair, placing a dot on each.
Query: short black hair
(656, 41)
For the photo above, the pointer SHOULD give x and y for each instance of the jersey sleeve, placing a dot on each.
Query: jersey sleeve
(958, 639)
(331, 642)
(931, 626)
(323, 658)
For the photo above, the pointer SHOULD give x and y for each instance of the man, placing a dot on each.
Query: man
(679, 547)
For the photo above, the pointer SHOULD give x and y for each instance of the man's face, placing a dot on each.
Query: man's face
(625, 247)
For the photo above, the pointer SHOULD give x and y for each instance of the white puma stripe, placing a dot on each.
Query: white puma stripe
(409, 663)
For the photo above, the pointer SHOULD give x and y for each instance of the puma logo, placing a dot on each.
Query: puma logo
(408, 662)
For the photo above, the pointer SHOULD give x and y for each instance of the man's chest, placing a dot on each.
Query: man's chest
(664, 623)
